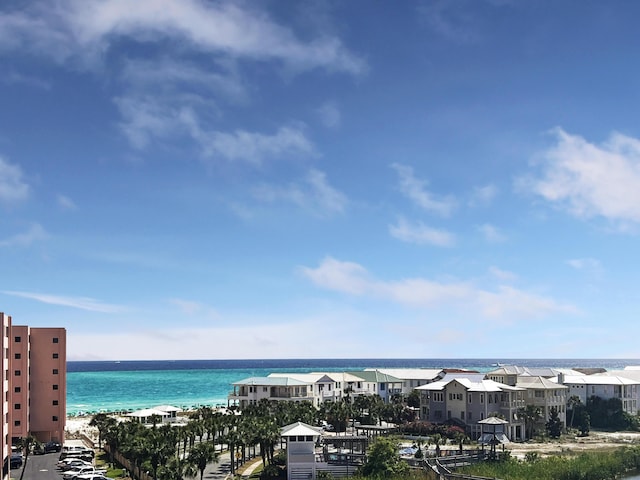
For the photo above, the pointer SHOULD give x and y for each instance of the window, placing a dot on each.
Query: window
(55, 355)
(54, 418)
(17, 389)
(264, 389)
(482, 398)
(55, 387)
(16, 423)
(469, 398)
(55, 371)
(17, 406)
(17, 373)
(18, 356)
(438, 397)
(55, 339)
(18, 339)
(382, 386)
(54, 403)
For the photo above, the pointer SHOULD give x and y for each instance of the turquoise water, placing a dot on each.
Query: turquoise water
(118, 386)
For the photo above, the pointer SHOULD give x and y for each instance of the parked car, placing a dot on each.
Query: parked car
(16, 460)
(90, 476)
(73, 463)
(69, 474)
(52, 447)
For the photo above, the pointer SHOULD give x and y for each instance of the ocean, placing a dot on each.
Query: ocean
(130, 385)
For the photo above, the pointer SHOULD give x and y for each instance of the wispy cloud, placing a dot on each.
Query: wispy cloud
(585, 264)
(191, 308)
(330, 115)
(590, 180)
(415, 189)
(502, 275)
(86, 28)
(15, 78)
(35, 233)
(12, 186)
(483, 196)
(421, 234)
(505, 303)
(491, 233)
(313, 192)
(65, 202)
(81, 303)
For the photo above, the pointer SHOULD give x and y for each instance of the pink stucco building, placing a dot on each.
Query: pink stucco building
(34, 384)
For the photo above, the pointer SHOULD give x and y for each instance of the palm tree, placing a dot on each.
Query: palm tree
(26, 442)
(200, 455)
(530, 414)
(102, 422)
(572, 403)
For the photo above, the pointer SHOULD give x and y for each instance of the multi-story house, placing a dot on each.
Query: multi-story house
(324, 387)
(467, 400)
(605, 387)
(412, 377)
(253, 389)
(545, 394)
(374, 382)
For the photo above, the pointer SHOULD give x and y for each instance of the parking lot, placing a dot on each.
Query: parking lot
(39, 467)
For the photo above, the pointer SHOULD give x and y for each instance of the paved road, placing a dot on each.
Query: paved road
(39, 467)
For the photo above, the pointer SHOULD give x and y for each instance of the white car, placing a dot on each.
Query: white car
(91, 476)
(72, 463)
(69, 474)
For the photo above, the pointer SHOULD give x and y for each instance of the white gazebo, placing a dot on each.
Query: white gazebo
(301, 440)
(146, 415)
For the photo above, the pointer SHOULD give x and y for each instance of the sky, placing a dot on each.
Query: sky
(195, 179)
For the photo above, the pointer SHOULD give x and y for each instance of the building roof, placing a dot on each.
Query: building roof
(167, 408)
(300, 428)
(305, 377)
(147, 412)
(376, 376)
(539, 383)
(271, 382)
(598, 380)
(482, 385)
(531, 371)
(411, 373)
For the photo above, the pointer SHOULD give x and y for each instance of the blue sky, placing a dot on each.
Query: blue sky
(280, 179)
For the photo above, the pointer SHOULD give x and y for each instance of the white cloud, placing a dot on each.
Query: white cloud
(584, 263)
(191, 308)
(81, 303)
(314, 193)
(65, 202)
(12, 186)
(506, 303)
(330, 115)
(414, 189)
(421, 234)
(84, 29)
(590, 180)
(482, 196)
(502, 275)
(492, 234)
(35, 233)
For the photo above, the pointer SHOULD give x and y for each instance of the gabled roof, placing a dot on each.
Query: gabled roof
(410, 373)
(147, 412)
(470, 385)
(546, 372)
(300, 428)
(168, 408)
(376, 376)
(305, 377)
(598, 380)
(538, 383)
(271, 382)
